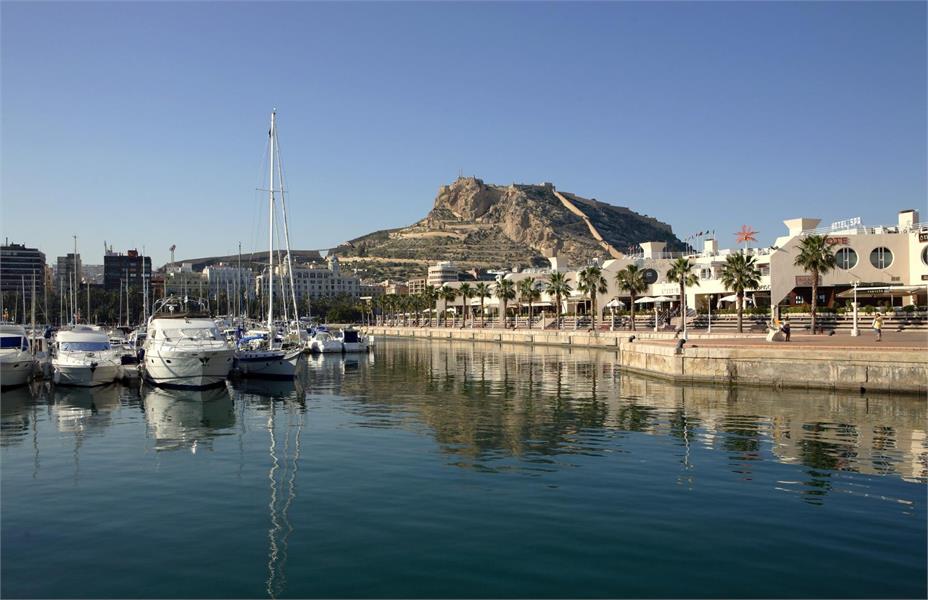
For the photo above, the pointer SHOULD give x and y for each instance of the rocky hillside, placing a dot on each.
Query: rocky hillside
(491, 226)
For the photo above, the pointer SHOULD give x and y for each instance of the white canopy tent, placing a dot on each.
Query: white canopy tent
(615, 303)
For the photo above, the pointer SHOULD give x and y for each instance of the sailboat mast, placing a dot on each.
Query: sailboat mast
(31, 342)
(283, 205)
(270, 253)
(74, 284)
(238, 281)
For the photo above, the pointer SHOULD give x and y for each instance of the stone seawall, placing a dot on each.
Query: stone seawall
(774, 366)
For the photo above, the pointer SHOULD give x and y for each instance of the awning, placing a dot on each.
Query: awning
(615, 303)
(889, 291)
(734, 298)
(645, 300)
(664, 299)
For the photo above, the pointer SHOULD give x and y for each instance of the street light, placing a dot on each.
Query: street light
(854, 331)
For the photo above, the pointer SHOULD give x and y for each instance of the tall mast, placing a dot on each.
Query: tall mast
(238, 281)
(74, 285)
(127, 297)
(31, 342)
(283, 205)
(87, 319)
(270, 253)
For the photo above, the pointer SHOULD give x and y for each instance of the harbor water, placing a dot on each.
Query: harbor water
(444, 469)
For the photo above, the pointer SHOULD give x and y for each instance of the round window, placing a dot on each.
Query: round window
(649, 275)
(925, 255)
(846, 258)
(881, 257)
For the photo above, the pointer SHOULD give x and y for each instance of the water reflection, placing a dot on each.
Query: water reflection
(484, 404)
(188, 419)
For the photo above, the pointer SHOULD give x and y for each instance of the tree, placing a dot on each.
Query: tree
(528, 292)
(681, 273)
(591, 282)
(448, 295)
(631, 279)
(430, 295)
(482, 291)
(505, 291)
(740, 273)
(466, 293)
(816, 258)
(558, 286)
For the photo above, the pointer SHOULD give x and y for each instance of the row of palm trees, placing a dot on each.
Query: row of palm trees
(739, 274)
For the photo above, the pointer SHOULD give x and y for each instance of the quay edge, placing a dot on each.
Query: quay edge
(820, 368)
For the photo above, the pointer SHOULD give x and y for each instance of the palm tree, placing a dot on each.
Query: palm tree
(590, 281)
(482, 291)
(449, 295)
(505, 291)
(816, 258)
(740, 273)
(466, 293)
(528, 292)
(631, 279)
(430, 295)
(681, 273)
(558, 286)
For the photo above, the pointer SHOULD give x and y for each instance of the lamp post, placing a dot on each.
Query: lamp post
(709, 330)
(854, 330)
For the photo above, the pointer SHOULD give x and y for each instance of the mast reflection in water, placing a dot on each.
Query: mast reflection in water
(446, 469)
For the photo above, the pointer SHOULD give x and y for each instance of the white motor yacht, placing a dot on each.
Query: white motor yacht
(16, 360)
(324, 341)
(83, 356)
(184, 347)
(353, 341)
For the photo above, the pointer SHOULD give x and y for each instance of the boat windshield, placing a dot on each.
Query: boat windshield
(199, 333)
(84, 346)
(13, 342)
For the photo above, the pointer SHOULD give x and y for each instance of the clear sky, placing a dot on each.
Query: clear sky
(144, 124)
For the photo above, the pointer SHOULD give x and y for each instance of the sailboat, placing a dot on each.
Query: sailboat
(264, 356)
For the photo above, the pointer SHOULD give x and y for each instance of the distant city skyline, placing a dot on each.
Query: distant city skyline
(143, 124)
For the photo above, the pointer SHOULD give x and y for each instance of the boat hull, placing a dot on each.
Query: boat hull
(270, 364)
(85, 375)
(16, 371)
(191, 370)
(327, 346)
(355, 346)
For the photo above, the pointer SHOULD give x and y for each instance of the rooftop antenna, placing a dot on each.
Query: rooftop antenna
(172, 248)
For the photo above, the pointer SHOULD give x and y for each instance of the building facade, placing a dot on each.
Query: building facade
(65, 268)
(18, 266)
(442, 272)
(118, 268)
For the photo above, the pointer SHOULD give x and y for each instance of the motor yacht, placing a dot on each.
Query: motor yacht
(83, 356)
(16, 361)
(353, 341)
(323, 341)
(184, 347)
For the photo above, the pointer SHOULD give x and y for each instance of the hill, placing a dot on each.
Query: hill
(480, 225)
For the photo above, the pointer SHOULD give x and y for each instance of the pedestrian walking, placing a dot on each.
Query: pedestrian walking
(785, 328)
(878, 327)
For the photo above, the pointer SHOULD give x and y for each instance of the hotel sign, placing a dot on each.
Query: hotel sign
(846, 224)
(923, 236)
(836, 240)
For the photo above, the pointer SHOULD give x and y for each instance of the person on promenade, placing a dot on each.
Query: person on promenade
(785, 329)
(878, 327)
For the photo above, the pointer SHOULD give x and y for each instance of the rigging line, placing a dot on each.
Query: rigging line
(272, 506)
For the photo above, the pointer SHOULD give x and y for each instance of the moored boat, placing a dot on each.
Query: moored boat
(16, 361)
(184, 347)
(83, 356)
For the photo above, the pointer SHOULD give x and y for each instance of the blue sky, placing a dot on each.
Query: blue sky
(143, 124)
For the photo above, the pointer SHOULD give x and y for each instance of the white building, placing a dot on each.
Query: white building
(316, 281)
(441, 273)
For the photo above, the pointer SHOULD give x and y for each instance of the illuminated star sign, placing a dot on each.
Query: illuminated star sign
(746, 234)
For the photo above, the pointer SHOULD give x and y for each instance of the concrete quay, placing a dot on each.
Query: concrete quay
(899, 364)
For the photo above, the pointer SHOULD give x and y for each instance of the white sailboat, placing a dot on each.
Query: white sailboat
(266, 357)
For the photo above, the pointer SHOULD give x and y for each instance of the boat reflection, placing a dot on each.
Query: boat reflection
(187, 419)
(15, 406)
(82, 410)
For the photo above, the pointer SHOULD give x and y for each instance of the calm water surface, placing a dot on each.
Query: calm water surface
(437, 470)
